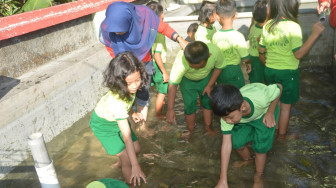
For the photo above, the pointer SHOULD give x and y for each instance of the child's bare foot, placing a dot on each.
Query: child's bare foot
(186, 135)
(165, 128)
(147, 132)
(160, 116)
(238, 164)
(211, 132)
(116, 164)
(258, 180)
(335, 57)
(290, 136)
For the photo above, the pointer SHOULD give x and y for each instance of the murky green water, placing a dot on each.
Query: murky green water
(170, 161)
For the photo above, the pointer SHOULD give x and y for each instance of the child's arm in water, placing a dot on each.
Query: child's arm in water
(225, 158)
(171, 116)
(269, 119)
(159, 62)
(136, 173)
(317, 30)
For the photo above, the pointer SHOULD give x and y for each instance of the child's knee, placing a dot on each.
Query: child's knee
(240, 148)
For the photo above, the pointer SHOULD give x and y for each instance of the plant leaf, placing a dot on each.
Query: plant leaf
(35, 4)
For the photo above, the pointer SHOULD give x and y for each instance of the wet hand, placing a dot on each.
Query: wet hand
(137, 175)
(269, 120)
(171, 116)
(222, 184)
(137, 117)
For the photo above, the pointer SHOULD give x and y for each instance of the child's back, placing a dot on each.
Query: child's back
(207, 18)
(232, 44)
(281, 42)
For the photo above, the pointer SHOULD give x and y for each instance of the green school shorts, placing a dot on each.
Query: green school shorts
(161, 87)
(190, 89)
(257, 73)
(232, 74)
(109, 134)
(289, 79)
(255, 131)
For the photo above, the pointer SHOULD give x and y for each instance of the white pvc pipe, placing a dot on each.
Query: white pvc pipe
(43, 164)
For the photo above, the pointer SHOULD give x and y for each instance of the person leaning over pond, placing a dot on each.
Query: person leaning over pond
(247, 114)
(195, 70)
(109, 121)
(133, 28)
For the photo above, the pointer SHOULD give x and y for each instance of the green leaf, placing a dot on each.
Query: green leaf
(35, 4)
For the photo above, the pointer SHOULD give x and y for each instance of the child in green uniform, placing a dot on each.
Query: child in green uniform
(259, 15)
(124, 76)
(281, 44)
(232, 44)
(195, 70)
(159, 51)
(191, 32)
(248, 114)
(207, 17)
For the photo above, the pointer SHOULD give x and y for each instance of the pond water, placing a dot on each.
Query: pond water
(170, 161)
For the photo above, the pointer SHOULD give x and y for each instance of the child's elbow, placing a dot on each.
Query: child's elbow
(298, 55)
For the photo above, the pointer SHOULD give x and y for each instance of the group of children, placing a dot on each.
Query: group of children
(209, 69)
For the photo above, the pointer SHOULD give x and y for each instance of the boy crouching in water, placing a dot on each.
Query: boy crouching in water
(247, 114)
(195, 69)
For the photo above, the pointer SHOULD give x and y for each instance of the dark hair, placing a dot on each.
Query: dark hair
(195, 52)
(120, 67)
(259, 11)
(156, 7)
(225, 98)
(289, 9)
(192, 28)
(226, 8)
(207, 9)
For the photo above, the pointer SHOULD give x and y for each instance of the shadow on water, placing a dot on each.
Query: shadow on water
(170, 161)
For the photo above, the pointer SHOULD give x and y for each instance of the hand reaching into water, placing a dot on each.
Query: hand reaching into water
(170, 116)
(137, 175)
(137, 117)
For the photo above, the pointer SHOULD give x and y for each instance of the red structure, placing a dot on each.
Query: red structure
(23, 23)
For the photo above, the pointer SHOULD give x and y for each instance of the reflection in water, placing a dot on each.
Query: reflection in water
(170, 161)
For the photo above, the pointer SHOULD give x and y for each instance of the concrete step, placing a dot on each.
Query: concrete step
(49, 99)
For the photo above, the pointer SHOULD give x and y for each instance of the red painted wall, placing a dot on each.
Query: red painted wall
(23, 23)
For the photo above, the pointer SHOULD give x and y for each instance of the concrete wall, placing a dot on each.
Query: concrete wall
(23, 53)
(53, 78)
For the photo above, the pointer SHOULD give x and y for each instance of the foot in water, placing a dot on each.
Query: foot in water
(238, 164)
(211, 132)
(288, 136)
(145, 130)
(116, 164)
